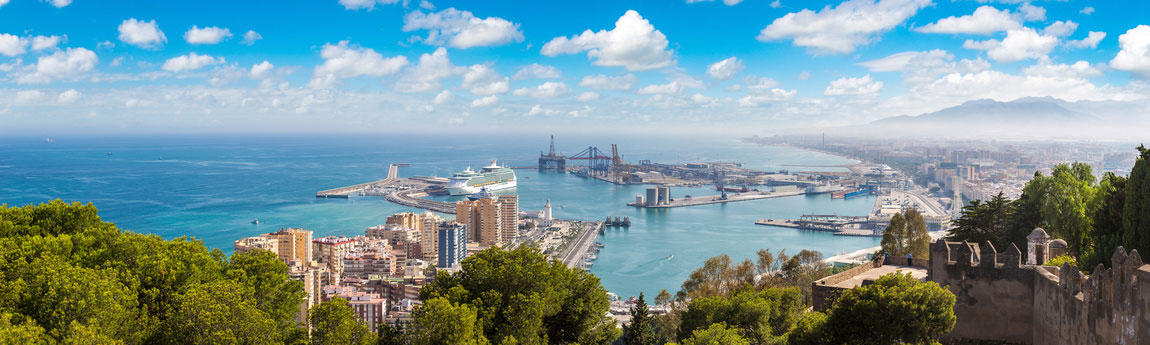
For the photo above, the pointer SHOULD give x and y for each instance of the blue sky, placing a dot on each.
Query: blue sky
(382, 66)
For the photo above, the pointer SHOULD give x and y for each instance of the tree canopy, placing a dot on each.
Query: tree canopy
(906, 234)
(522, 295)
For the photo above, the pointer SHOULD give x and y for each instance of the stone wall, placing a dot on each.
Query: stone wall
(993, 301)
(823, 293)
(1000, 301)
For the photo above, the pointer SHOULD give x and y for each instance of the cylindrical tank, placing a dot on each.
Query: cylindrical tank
(664, 195)
(652, 196)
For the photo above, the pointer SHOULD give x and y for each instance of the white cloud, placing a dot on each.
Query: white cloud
(483, 80)
(725, 69)
(540, 110)
(760, 83)
(1135, 54)
(3, 2)
(208, 35)
(725, 2)
(261, 70)
(59, 3)
(587, 96)
(925, 66)
(47, 42)
(442, 97)
(604, 82)
(68, 97)
(364, 4)
(804, 75)
(1091, 41)
(842, 28)
(1018, 45)
(344, 61)
(863, 86)
(776, 4)
(1031, 12)
(29, 96)
(1087, 10)
(62, 64)
(768, 96)
(984, 21)
(633, 44)
(190, 62)
(12, 45)
(546, 90)
(426, 76)
(142, 34)
(251, 37)
(485, 101)
(661, 89)
(537, 71)
(581, 112)
(427, 5)
(1060, 28)
(1078, 70)
(461, 29)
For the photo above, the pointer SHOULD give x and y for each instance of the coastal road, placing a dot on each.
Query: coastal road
(573, 255)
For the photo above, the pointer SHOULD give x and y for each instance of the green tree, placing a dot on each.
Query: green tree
(1136, 209)
(392, 334)
(522, 295)
(1028, 210)
(58, 295)
(641, 331)
(273, 291)
(983, 221)
(441, 322)
(1065, 204)
(801, 270)
(810, 329)
(20, 333)
(896, 309)
(907, 234)
(663, 298)
(220, 312)
(1106, 216)
(334, 323)
(763, 317)
(716, 334)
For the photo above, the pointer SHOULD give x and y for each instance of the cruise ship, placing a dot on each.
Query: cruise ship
(492, 177)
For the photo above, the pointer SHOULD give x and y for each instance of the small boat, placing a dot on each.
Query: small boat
(109, 153)
(482, 194)
(669, 257)
(48, 140)
(255, 221)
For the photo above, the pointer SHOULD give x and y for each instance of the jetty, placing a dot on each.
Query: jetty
(392, 179)
(715, 199)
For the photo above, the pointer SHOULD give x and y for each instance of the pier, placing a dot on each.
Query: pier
(345, 192)
(576, 250)
(717, 199)
(416, 200)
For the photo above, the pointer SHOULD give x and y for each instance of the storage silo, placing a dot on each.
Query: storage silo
(652, 196)
(664, 195)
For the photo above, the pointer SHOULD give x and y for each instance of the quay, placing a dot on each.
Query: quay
(839, 225)
(415, 199)
(345, 192)
(576, 250)
(716, 199)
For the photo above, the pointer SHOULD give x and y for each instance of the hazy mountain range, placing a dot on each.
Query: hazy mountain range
(1032, 117)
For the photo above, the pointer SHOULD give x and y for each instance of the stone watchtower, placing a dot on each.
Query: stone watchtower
(1037, 247)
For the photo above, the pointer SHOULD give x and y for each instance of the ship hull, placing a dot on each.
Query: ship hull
(468, 190)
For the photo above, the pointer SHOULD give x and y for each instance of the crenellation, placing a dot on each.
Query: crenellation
(1012, 257)
(987, 257)
(965, 255)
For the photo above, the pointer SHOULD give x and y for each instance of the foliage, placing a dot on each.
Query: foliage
(896, 309)
(641, 331)
(1107, 209)
(984, 221)
(441, 322)
(1061, 259)
(662, 298)
(220, 312)
(716, 334)
(1136, 209)
(810, 329)
(334, 323)
(762, 317)
(1064, 208)
(523, 296)
(13, 332)
(718, 277)
(69, 276)
(907, 234)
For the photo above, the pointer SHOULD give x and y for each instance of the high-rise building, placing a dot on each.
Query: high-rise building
(508, 218)
(452, 245)
(428, 236)
(482, 218)
(248, 244)
(407, 219)
(329, 252)
(370, 308)
(294, 245)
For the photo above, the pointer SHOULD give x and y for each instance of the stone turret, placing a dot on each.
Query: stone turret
(1036, 247)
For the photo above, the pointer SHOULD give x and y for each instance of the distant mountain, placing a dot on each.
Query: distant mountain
(994, 114)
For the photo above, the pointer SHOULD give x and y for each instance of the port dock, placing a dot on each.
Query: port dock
(715, 199)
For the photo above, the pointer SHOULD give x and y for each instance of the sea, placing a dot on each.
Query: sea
(211, 187)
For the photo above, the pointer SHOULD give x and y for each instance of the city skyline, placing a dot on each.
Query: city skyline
(377, 66)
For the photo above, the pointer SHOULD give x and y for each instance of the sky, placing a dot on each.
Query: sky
(679, 66)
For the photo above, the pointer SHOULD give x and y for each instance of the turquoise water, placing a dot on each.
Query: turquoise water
(211, 187)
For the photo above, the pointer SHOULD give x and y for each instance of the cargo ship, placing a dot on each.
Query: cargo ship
(492, 177)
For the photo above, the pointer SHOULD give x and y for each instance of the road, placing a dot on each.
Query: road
(573, 255)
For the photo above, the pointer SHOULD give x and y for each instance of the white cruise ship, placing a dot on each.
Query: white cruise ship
(493, 177)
